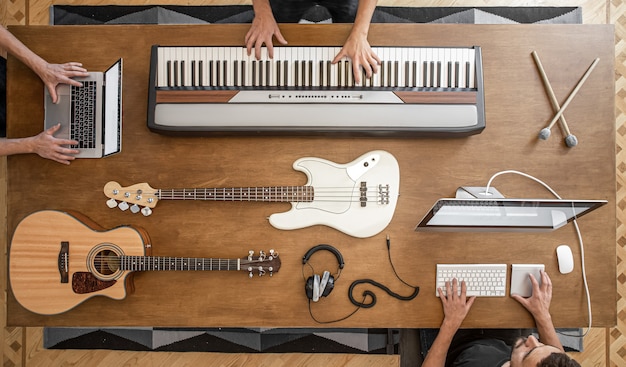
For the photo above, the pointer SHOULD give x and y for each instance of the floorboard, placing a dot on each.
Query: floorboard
(603, 347)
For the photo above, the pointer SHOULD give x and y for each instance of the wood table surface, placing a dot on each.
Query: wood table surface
(517, 108)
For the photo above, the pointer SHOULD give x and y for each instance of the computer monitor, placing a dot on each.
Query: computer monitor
(475, 209)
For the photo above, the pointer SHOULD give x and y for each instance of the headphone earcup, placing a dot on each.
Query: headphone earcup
(308, 287)
(316, 287)
(329, 286)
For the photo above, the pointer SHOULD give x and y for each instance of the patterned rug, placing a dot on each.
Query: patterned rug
(81, 15)
(274, 340)
(226, 340)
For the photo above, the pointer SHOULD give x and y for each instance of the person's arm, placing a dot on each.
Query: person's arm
(539, 307)
(356, 47)
(455, 308)
(262, 30)
(44, 144)
(50, 74)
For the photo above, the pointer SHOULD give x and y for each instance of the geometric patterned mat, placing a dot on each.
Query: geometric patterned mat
(155, 14)
(230, 340)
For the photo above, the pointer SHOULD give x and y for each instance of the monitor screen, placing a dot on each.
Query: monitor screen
(504, 215)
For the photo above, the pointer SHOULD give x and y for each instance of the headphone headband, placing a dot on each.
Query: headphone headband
(313, 250)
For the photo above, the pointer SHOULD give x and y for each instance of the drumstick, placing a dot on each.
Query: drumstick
(573, 94)
(570, 139)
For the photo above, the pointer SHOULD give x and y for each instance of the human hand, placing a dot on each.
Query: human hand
(456, 305)
(359, 51)
(55, 74)
(538, 304)
(263, 28)
(49, 147)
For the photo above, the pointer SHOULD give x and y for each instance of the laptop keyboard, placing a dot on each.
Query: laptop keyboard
(84, 115)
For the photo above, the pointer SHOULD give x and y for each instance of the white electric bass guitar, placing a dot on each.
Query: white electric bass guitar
(357, 198)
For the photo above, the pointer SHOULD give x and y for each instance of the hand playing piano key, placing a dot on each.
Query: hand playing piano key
(263, 28)
(357, 49)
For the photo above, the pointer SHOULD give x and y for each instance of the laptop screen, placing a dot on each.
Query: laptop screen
(113, 109)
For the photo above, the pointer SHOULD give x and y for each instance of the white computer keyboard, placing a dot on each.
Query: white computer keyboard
(482, 280)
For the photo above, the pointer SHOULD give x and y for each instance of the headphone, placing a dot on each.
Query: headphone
(317, 286)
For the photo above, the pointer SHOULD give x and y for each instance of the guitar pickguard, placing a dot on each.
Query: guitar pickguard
(357, 198)
(85, 282)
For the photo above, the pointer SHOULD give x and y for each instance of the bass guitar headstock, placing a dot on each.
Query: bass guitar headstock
(138, 198)
(262, 264)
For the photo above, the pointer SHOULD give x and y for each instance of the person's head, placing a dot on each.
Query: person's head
(527, 352)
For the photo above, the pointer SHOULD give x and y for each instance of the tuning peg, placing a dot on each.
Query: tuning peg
(123, 206)
(146, 211)
(135, 209)
(111, 203)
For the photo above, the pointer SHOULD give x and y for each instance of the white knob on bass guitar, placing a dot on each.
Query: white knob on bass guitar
(123, 206)
(135, 208)
(146, 211)
(111, 203)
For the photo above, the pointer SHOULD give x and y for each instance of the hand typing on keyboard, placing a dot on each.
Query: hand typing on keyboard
(482, 280)
(479, 343)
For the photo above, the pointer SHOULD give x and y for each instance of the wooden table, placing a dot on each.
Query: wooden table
(517, 107)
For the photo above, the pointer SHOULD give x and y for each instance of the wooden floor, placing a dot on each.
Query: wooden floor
(603, 347)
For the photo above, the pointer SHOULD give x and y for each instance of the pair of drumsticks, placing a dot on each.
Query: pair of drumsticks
(570, 139)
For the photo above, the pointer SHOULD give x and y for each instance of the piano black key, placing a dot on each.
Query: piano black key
(268, 74)
(218, 74)
(193, 73)
(303, 81)
(432, 74)
(169, 73)
(467, 75)
(406, 74)
(425, 74)
(414, 84)
(261, 73)
(321, 74)
(456, 74)
(310, 77)
(286, 72)
(296, 73)
(176, 73)
(210, 72)
(243, 73)
(328, 77)
(438, 74)
(382, 73)
(396, 73)
(200, 74)
(449, 74)
(235, 73)
(182, 73)
(254, 64)
(225, 72)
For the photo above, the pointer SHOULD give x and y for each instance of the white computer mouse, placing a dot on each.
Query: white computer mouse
(565, 258)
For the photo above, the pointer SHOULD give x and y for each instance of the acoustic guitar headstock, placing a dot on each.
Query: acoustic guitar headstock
(262, 264)
(138, 198)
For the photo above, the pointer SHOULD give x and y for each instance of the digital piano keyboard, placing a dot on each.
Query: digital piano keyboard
(418, 91)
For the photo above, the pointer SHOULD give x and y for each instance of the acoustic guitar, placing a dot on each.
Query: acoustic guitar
(358, 198)
(57, 260)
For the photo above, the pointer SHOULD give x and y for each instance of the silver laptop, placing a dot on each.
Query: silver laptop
(91, 114)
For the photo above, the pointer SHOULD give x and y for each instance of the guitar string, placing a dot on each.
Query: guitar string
(230, 194)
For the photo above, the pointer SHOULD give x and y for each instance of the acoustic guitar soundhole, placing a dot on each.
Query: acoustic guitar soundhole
(104, 261)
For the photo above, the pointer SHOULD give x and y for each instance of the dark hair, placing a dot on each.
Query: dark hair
(558, 360)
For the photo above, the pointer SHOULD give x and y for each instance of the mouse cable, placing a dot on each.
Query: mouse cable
(580, 243)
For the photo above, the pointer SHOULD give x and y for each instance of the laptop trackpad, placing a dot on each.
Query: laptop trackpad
(58, 113)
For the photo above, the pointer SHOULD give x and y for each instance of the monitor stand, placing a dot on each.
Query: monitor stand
(475, 192)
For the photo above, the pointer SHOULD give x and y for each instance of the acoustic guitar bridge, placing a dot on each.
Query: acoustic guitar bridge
(64, 261)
